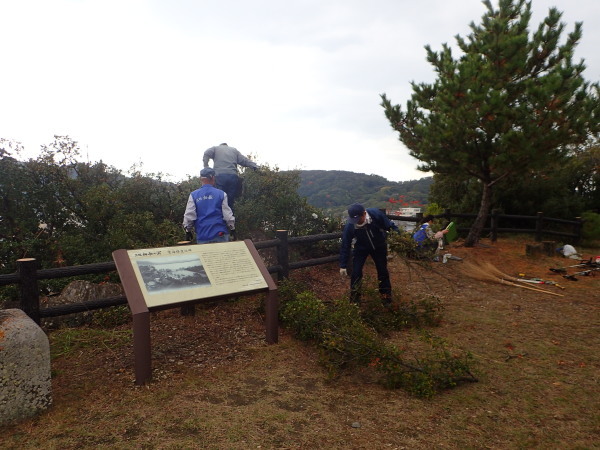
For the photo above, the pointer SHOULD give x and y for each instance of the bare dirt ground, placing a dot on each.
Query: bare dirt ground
(218, 385)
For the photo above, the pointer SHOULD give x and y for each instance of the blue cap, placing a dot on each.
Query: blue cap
(355, 211)
(207, 172)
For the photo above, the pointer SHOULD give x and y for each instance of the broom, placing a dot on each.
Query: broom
(487, 272)
(489, 266)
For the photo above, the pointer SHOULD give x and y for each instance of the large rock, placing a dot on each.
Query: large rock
(79, 291)
(25, 383)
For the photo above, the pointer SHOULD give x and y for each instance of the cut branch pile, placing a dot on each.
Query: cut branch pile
(486, 271)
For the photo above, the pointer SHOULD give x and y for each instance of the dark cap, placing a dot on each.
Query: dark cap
(207, 172)
(355, 211)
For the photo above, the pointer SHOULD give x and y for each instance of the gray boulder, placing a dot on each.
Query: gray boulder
(79, 291)
(25, 383)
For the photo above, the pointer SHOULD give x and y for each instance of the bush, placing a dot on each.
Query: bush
(591, 228)
(405, 246)
(350, 337)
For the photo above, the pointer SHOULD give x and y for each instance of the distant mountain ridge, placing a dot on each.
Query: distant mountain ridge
(334, 190)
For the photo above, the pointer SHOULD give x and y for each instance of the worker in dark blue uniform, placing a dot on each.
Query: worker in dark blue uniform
(367, 228)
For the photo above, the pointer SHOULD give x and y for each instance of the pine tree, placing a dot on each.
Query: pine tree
(509, 104)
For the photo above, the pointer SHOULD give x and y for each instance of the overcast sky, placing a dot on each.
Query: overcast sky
(293, 83)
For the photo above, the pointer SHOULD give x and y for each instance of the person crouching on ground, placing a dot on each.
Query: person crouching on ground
(207, 212)
(428, 241)
(367, 227)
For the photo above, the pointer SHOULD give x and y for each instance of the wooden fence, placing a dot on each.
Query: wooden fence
(539, 230)
(27, 275)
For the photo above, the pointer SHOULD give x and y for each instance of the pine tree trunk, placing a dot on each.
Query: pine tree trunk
(484, 210)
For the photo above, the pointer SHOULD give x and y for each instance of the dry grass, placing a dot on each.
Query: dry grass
(217, 385)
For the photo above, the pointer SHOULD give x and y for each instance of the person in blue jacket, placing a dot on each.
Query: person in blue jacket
(427, 240)
(367, 228)
(207, 211)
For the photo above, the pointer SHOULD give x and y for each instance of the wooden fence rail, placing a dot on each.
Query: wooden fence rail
(27, 275)
(539, 229)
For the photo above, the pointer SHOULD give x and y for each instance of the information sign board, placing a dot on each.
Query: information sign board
(172, 275)
(160, 278)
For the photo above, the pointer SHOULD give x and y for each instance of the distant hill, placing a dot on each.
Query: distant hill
(334, 190)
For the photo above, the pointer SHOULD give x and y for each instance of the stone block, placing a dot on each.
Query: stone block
(25, 379)
(534, 250)
(78, 291)
(549, 248)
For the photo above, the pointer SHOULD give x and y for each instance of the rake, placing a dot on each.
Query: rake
(582, 263)
(538, 281)
(587, 273)
(492, 269)
(488, 272)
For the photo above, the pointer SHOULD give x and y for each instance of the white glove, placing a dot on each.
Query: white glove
(343, 273)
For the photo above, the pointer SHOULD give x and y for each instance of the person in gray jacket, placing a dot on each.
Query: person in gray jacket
(226, 159)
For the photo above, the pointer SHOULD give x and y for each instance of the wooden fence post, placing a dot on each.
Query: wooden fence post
(187, 310)
(539, 226)
(494, 224)
(447, 214)
(29, 290)
(283, 255)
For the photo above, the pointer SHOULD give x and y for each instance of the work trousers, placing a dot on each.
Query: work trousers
(230, 184)
(359, 257)
(221, 238)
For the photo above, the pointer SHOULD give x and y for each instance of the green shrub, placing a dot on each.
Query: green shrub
(591, 228)
(348, 336)
(426, 311)
(430, 373)
(402, 244)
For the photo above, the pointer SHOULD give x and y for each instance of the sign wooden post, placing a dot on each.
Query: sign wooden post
(168, 277)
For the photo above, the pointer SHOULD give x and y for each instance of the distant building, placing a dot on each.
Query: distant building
(404, 212)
